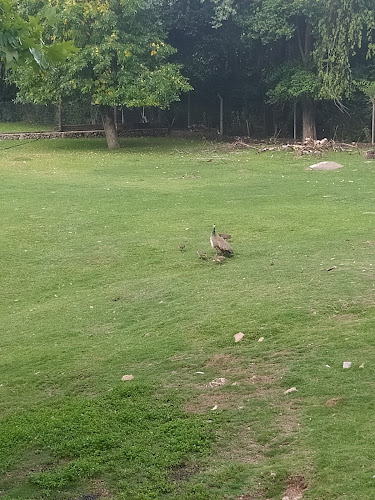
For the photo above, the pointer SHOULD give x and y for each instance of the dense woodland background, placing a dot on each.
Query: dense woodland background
(285, 69)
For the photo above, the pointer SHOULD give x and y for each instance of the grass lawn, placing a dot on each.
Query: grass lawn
(94, 287)
(6, 127)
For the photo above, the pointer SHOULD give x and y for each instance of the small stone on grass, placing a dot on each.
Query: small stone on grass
(292, 389)
(238, 337)
(217, 382)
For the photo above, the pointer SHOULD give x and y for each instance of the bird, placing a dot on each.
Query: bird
(226, 236)
(181, 246)
(219, 259)
(220, 243)
(202, 255)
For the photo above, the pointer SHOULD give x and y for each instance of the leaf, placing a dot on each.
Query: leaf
(39, 57)
(59, 52)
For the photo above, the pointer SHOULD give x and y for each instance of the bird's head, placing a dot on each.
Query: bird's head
(214, 230)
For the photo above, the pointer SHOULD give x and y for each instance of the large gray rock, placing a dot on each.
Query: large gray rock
(326, 165)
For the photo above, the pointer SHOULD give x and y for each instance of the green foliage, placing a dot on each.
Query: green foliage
(293, 82)
(368, 88)
(21, 40)
(269, 20)
(344, 28)
(17, 35)
(122, 58)
(326, 33)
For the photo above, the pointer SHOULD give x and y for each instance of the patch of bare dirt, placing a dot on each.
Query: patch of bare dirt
(288, 419)
(246, 381)
(332, 402)
(346, 318)
(243, 448)
(243, 371)
(98, 492)
(224, 361)
(183, 472)
(295, 488)
(243, 380)
(255, 496)
(205, 401)
(265, 380)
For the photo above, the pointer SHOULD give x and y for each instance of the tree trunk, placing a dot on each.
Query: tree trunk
(189, 110)
(59, 116)
(110, 131)
(308, 119)
(295, 120)
(373, 124)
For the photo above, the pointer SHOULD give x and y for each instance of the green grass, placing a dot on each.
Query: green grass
(93, 287)
(6, 127)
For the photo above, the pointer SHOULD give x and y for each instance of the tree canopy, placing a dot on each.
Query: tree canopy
(122, 58)
(21, 40)
(261, 56)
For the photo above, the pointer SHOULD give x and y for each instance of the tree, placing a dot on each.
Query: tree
(294, 83)
(216, 59)
(122, 60)
(323, 35)
(368, 88)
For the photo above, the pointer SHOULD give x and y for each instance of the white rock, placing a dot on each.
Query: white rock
(292, 389)
(238, 336)
(347, 364)
(217, 382)
(326, 165)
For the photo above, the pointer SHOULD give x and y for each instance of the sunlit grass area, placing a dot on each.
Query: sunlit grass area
(23, 127)
(95, 287)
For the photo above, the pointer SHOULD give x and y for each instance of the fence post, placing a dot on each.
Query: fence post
(221, 129)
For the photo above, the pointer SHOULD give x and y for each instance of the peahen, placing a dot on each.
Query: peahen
(219, 243)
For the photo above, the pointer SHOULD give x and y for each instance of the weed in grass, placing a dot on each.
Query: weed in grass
(125, 435)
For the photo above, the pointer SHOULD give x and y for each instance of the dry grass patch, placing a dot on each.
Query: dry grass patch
(288, 420)
(242, 383)
(346, 318)
(332, 402)
(243, 448)
(214, 398)
(295, 488)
